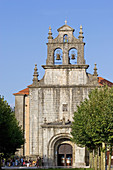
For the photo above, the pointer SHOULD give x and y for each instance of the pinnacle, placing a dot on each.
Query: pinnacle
(95, 70)
(80, 33)
(35, 75)
(50, 33)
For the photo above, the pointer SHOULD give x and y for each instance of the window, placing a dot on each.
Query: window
(65, 38)
(64, 108)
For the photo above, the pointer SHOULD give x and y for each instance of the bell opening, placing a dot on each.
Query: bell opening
(65, 38)
(72, 56)
(58, 56)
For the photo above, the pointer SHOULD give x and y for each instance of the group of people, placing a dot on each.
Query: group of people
(22, 162)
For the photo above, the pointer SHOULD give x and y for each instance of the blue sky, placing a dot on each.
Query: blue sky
(23, 36)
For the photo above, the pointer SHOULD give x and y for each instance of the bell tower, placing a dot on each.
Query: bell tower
(65, 49)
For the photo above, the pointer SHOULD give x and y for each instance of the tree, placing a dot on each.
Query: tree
(93, 120)
(11, 134)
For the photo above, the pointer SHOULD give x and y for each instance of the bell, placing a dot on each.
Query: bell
(72, 56)
(58, 57)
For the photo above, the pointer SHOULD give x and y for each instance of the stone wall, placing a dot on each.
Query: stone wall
(27, 126)
(65, 77)
(19, 113)
(48, 103)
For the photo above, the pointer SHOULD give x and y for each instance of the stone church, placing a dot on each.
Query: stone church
(45, 108)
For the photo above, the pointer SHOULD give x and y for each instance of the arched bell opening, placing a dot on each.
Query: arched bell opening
(58, 56)
(72, 56)
(65, 38)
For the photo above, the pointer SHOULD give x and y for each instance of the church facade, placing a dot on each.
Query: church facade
(45, 109)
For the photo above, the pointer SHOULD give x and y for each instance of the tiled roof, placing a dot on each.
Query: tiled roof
(101, 81)
(24, 91)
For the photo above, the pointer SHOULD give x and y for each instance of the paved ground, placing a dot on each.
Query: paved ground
(35, 167)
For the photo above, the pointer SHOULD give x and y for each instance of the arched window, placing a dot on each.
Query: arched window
(65, 38)
(73, 56)
(58, 56)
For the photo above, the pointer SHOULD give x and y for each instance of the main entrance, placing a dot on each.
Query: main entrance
(64, 155)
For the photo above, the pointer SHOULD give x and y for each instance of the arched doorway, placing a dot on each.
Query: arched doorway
(53, 148)
(64, 156)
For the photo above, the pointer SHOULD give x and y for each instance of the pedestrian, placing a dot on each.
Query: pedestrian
(21, 160)
(13, 162)
(37, 163)
(16, 162)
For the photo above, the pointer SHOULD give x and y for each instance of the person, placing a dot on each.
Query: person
(3, 162)
(13, 162)
(42, 162)
(21, 160)
(30, 163)
(37, 163)
(27, 163)
(34, 162)
(16, 162)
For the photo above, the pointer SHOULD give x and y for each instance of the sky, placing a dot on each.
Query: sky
(24, 26)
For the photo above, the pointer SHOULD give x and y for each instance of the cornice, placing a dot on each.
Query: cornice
(65, 86)
(56, 126)
(69, 66)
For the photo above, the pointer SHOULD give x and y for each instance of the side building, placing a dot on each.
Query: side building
(45, 108)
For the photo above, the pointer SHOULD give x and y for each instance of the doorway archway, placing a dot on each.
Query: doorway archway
(53, 146)
(64, 156)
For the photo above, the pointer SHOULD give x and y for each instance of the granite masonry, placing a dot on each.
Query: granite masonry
(45, 109)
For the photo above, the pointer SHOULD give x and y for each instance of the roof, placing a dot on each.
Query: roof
(65, 28)
(101, 81)
(23, 92)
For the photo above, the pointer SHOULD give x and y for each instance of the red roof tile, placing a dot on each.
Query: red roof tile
(24, 91)
(103, 81)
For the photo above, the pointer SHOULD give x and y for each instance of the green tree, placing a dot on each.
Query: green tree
(93, 120)
(11, 134)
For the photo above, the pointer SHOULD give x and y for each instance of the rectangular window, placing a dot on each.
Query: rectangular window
(64, 108)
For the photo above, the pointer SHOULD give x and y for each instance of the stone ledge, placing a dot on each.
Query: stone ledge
(56, 126)
(60, 42)
(69, 66)
(64, 86)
